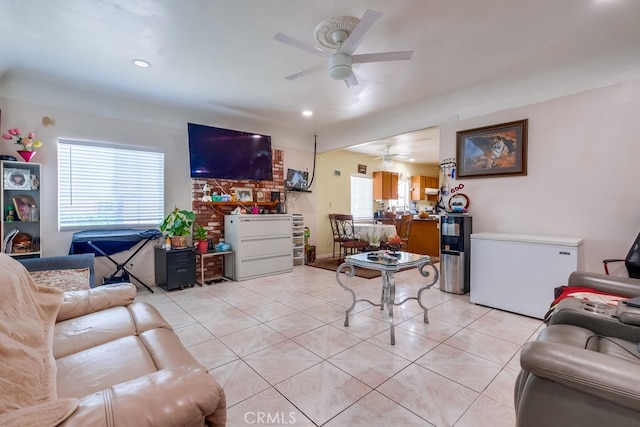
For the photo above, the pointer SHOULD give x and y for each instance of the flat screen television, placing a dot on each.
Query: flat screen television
(297, 180)
(229, 154)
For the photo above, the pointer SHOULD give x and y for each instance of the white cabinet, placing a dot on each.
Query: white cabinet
(518, 273)
(262, 244)
(20, 200)
(298, 238)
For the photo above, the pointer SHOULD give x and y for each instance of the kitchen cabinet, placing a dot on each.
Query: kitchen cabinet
(419, 183)
(385, 185)
(424, 237)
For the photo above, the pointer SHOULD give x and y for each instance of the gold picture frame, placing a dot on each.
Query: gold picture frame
(22, 205)
(490, 151)
(243, 194)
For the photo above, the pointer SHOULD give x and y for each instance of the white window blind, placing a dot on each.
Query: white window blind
(109, 186)
(361, 198)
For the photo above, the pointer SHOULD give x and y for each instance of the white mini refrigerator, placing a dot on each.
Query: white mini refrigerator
(518, 272)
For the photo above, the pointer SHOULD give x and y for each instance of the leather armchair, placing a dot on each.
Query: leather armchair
(583, 369)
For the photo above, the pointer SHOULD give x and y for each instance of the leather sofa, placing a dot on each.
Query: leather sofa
(95, 358)
(583, 368)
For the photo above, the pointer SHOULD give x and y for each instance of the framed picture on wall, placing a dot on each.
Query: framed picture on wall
(490, 151)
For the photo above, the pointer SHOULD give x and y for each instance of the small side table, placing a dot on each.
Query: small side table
(202, 256)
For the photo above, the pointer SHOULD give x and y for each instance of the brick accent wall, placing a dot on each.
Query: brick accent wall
(212, 217)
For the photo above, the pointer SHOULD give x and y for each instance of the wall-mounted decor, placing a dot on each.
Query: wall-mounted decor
(362, 168)
(243, 194)
(489, 151)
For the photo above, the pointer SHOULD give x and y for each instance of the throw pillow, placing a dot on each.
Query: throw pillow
(66, 280)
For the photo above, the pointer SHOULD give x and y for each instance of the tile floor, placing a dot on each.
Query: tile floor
(279, 348)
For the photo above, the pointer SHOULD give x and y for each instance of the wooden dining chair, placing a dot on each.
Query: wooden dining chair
(404, 228)
(343, 234)
(388, 218)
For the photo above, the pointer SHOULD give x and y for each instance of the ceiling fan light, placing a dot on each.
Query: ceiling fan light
(340, 66)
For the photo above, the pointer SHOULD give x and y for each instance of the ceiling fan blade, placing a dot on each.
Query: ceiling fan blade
(292, 41)
(352, 80)
(305, 72)
(382, 57)
(355, 38)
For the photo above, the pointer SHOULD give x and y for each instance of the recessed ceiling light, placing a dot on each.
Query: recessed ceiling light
(412, 160)
(141, 63)
(307, 113)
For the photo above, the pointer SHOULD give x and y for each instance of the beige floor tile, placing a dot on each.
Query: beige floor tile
(294, 324)
(501, 388)
(302, 302)
(238, 381)
(266, 408)
(362, 326)
(462, 367)
(228, 321)
(244, 302)
(512, 332)
(369, 363)
(327, 341)
(322, 391)
(438, 400)
(375, 409)
(327, 313)
(487, 413)
(193, 334)
(212, 354)
(270, 311)
(457, 312)
(252, 339)
(488, 347)
(240, 330)
(436, 329)
(281, 361)
(409, 345)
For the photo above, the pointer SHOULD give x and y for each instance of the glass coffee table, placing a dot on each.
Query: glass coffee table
(388, 263)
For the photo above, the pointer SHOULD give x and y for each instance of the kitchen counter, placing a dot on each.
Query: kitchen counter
(424, 237)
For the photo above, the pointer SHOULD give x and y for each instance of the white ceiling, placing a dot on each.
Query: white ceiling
(217, 58)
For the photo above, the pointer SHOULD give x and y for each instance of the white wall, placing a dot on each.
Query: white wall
(583, 172)
(78, 125)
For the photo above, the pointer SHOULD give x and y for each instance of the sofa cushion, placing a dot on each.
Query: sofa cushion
(66, 280)
(61, 263)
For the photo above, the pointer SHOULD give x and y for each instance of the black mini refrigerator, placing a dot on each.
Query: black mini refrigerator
(455, 248)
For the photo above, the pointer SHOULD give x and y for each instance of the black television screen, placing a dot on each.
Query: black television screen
(229, 154)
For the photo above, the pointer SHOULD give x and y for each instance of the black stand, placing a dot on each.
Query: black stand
(113, 278)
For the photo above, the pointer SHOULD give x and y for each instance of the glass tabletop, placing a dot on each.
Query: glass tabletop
(387, 260)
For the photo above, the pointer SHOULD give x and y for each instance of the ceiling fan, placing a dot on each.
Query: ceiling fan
(344, 34)
(388, 156)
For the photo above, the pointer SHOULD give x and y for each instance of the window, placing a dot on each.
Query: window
(361, 198)
(404, 194)
(109, 186)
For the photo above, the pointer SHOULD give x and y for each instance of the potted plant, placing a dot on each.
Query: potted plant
(201, 239)
(177, 226)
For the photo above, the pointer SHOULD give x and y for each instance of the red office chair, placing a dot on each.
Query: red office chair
(631, 262)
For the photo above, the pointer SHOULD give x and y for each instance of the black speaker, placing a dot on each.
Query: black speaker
(275, 195)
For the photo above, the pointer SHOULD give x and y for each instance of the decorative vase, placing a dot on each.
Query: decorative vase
(26, 155)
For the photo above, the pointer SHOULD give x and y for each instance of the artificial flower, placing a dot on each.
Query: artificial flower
(29, 143)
